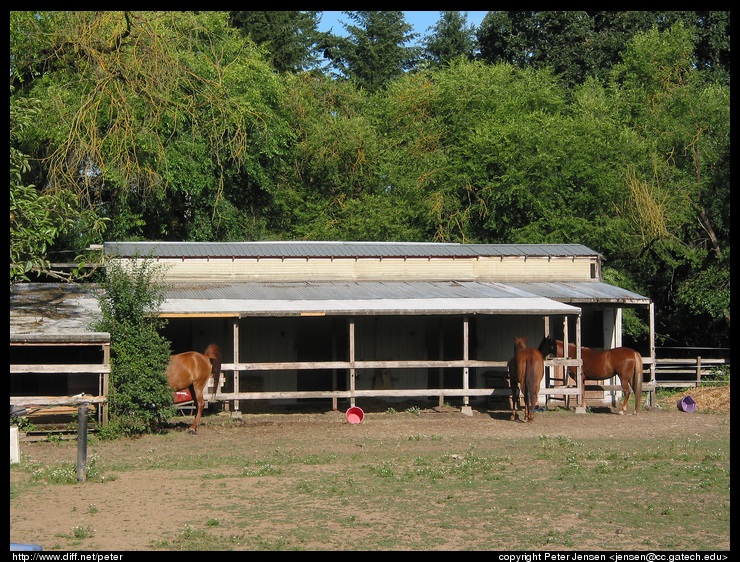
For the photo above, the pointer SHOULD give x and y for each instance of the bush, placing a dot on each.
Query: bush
(139, 398)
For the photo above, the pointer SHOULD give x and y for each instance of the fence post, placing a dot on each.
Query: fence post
(81, 441)
(698, 370)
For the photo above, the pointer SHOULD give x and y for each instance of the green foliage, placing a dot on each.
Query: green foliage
(373, 54)
(451, 37)
(39, 218)
(22, 423)
(139, 398)
(578, 45)
(708, 292)
(289, 36)
(608, 128)
(64, 472)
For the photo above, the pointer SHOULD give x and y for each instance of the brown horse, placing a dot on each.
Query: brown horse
(526, 370)
(192, 370)
(601, 365)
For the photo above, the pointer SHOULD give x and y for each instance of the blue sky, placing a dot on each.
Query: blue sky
(421, 20)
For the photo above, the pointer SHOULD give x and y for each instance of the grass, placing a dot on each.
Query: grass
(434, 492)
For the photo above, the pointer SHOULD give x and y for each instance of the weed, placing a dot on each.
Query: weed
(83, 532)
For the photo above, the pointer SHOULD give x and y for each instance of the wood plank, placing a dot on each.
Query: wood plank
(45, 369)
(56, 400)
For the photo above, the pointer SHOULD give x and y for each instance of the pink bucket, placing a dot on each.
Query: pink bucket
(355, 414)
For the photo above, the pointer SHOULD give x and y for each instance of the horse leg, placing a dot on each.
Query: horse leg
(514, 384)
(198, 393)
(626, 390)
(514, 400)
(530, 401)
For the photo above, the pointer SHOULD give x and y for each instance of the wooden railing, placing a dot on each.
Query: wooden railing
(687, 373)
(102, 371)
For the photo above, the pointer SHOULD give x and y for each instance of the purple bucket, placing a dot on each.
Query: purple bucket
(687, 404)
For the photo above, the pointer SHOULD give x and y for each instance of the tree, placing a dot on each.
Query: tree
(679, 197)
(290, 36)
(150, 118)
(451, 37)
(37, 219)
(373, 54)
(579, 44)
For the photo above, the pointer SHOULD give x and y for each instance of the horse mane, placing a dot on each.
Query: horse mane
(213, 352)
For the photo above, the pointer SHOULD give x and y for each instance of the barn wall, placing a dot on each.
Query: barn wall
(499, 269)
(387, 338)
(495, 339)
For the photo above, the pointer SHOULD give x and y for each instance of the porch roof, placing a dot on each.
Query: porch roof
(49, 309)
(367, 298)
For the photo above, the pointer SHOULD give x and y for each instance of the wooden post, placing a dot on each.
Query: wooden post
(352, 371)
(698, 370)
(235, 330)
(81, 441)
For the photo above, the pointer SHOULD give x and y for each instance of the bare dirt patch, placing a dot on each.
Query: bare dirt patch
(147, 507)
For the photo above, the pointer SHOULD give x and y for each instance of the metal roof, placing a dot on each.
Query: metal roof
(356, 298)
(40, 310)
(574, 293)
(583, 292)
(341, 290)
(319, 249)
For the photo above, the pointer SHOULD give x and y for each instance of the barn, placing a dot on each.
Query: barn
(339, 322)
(333, 324)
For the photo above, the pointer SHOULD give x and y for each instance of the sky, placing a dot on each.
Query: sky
(419, 19)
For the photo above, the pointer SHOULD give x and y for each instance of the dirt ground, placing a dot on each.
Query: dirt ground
(141, 506)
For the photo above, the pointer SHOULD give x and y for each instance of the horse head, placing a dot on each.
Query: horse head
(519, 343)
(548, 346)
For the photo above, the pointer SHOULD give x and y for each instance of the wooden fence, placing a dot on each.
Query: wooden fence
(687, 373)
(668, 373)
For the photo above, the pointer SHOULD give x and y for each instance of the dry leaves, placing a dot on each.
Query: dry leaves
(708, 399)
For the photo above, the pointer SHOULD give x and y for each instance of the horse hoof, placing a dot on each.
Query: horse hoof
(192, 431)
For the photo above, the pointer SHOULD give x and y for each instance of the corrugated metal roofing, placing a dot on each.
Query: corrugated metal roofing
(583, 292)
(49, 308)
(319, 249)
(56, 308)
(367, 307)
(341, 290)
(359, 298)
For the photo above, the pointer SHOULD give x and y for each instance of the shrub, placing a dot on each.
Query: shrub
(139, 398)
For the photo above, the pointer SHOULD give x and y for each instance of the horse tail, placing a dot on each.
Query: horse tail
(637, 381)
(532, 379)
(529, 385)
(213, 352)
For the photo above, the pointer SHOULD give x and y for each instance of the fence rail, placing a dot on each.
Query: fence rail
(669, 373)
(687, 373)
